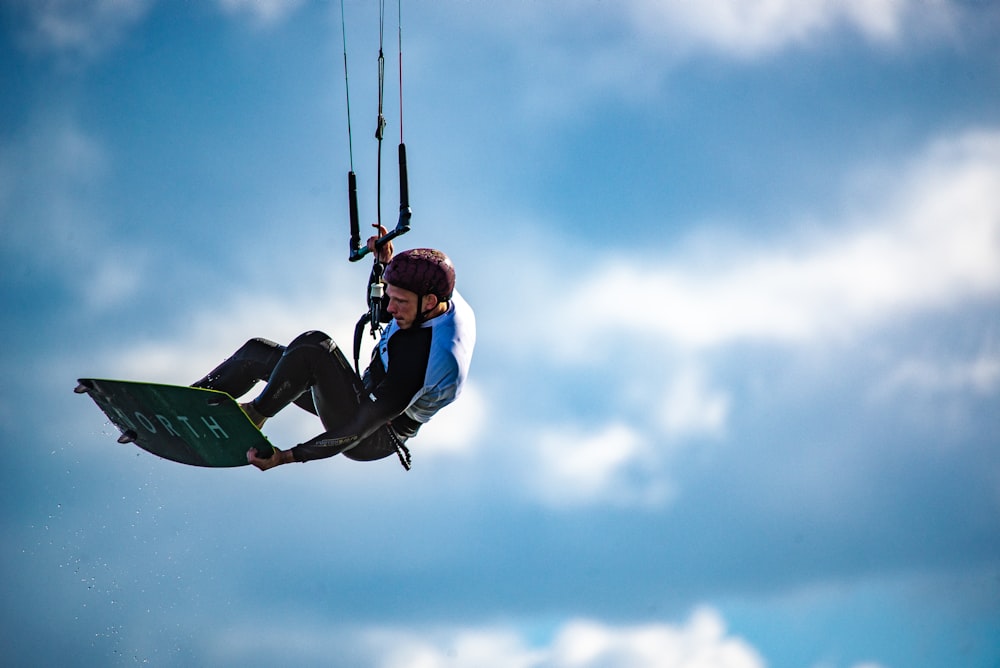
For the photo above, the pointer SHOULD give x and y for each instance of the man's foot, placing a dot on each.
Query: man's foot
(252, 413)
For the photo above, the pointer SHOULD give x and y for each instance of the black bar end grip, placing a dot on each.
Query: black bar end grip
(403, 224)
(352, 196)
(404, 183)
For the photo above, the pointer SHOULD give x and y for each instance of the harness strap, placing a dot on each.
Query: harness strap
(359, 333)
(401, 450)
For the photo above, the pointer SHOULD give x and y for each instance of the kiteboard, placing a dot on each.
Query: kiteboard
(189, 425)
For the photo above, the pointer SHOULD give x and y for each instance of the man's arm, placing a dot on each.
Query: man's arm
(370, 416)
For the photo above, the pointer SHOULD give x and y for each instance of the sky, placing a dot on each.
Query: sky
(736, 272)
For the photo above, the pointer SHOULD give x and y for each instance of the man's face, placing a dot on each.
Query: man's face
(402, 306)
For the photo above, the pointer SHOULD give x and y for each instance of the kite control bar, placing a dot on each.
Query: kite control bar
(402, 225)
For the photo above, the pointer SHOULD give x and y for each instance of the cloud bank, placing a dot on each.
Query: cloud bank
(700, 642)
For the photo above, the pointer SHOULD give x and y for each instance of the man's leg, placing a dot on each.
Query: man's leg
(315, 374)
(253, 362)
(312, 370)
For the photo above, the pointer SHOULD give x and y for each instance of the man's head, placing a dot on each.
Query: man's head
(421, 281)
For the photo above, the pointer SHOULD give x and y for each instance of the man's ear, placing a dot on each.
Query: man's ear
(430, 303)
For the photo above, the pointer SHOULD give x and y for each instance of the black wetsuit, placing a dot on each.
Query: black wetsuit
(367, 418)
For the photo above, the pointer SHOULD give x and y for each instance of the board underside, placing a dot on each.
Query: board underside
(184, 424)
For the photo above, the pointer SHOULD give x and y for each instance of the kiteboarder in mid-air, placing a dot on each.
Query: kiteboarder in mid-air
(418, 367)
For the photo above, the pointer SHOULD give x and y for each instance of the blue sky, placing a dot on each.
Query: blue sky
(736, 269)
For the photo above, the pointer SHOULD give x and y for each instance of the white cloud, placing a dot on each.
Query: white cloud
(491, 648)
(217, 330)
(980, 375)
(48, 168)
(572, 466)
(78, 28)
(753, 27)
(263, 11)
(51, 172)
(701, 641)
(456, 428)
(624, 48)
(692, 408)
(735, 27)
(110, 281)
(932, 241)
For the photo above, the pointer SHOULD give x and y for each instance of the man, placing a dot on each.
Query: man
(419, 366)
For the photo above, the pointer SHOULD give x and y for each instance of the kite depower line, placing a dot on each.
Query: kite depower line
(376, 287)
(357, 250)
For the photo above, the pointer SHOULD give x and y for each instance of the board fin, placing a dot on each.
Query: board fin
(128, 436)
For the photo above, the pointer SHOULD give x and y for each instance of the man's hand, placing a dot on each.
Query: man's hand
(385, 253)
(277, 459)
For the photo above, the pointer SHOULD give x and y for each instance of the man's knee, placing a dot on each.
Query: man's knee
(313, 339)
(257, 349)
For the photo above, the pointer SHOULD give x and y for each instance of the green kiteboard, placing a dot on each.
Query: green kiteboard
(189, 425)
